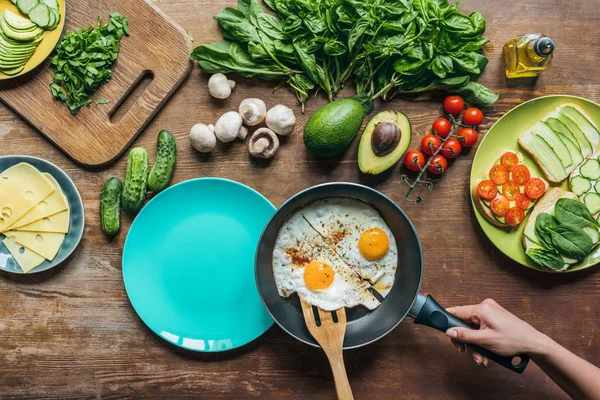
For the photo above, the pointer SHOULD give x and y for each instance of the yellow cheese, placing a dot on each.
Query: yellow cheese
(21, 188)
(51, 205)
(27, 260)
(58, 223)
(44, 243)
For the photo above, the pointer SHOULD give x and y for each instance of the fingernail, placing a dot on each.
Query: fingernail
(476, 361)
(485, 363)
(452, 333)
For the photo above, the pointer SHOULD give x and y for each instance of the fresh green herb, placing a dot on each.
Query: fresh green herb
(572, 212)
(386, 46)
(189, 33)
(546, 258)
(102, 101)
(568, 240)
(84, 60)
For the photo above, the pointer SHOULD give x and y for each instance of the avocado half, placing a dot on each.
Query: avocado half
(371, 163)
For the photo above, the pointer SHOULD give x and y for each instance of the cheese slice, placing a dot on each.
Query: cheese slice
(46, 244)
(57, 223)
(22, 186)
(28, 259)
(51, 205)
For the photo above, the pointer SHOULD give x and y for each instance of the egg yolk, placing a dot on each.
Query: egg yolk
(373, 244)
(318, 275)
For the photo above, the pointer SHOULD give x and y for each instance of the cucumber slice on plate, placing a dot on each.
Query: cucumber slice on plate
(40, 15)
(592, 201)
(51, 3)
(26, 5)
(17, 22)
(13, 71)
(592, 231)
(590, 169)
(580, 185)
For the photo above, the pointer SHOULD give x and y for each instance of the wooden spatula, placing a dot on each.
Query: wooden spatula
(330, 335)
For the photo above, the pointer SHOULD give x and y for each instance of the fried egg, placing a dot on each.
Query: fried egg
(332, 251)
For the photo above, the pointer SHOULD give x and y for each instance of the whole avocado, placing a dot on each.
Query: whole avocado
(331, 129)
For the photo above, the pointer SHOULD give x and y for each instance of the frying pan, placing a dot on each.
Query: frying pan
(364, 326)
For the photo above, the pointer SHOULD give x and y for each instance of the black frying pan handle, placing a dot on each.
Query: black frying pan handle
(436, 316)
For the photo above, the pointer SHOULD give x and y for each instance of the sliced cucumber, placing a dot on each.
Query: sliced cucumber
(547, 157)
(529, 233)
(573, 150)
(592, 201)
(584, 123)
(561, 128)
(590, 169)
(51, 3)
(52, 20)
(40, 15)
(17, 22)
(584, 143)
(580, 185)
(542, 130)
(597, 187)
(13, 71)
(26, 5)
(592, 231)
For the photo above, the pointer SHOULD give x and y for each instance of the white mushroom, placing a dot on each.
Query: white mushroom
(263, 143)
(219, 86)
(203, 138)
(229, 127)
(253, 111)
(281, 119)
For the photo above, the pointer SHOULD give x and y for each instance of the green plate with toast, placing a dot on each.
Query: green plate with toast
(503, 136)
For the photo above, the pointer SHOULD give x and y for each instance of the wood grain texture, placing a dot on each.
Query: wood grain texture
(71, 333)
(157, 47)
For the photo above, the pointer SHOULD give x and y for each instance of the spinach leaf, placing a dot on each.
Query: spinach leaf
(572, 212)
(546, 258)
(475, 93)
(237, 26)
(545, 224)
(572, 241)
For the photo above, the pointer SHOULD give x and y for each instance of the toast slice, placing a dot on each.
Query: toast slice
(482, 206)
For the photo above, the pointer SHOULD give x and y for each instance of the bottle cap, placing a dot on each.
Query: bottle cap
(544, 46)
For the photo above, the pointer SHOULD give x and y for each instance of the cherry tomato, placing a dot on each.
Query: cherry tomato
(467, 136)
(441, 127)
(523, 201)
(511, 190)
(487, 189)
(414, 160)
(452, 148)
(472, 116)
(509, 160)
(514, 216)
(430, 143)
(499, 174)
(437, 165)
(500, 205)
(454, 104)
(521, 174)
(535, 188)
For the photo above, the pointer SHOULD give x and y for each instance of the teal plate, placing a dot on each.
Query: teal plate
(77, 223)
(188, 264)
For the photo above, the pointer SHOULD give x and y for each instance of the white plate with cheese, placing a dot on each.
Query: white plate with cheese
(41, 215)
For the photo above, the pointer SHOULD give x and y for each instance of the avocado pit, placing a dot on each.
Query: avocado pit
(385, 138)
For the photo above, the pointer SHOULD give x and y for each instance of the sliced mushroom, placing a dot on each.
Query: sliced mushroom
(263, 143)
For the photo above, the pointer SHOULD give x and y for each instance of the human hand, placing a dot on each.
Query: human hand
(499, 331)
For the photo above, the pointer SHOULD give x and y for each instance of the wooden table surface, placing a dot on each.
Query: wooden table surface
(72, 333)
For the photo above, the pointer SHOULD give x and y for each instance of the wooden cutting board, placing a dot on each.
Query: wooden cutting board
(156, 47)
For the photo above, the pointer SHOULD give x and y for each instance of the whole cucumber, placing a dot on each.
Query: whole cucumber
(110, 206)
(162, 171)
(136, 178)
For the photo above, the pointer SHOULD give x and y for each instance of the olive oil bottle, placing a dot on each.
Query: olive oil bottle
(528, 55)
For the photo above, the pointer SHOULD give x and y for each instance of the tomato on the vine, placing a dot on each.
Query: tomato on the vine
(454, 104)
(499, 174)
(509, 160)
(430, 143)
(521, 174)
(414, 160)
(523, 201)
(472, 116)
(441, 127)
(535, 188)
(487, 189)
(451, 148)
(514, 216)
(437, 164)
(500, 205)
(469, 137)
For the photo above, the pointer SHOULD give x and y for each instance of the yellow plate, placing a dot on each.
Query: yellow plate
(46, 45)
(503, 136)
